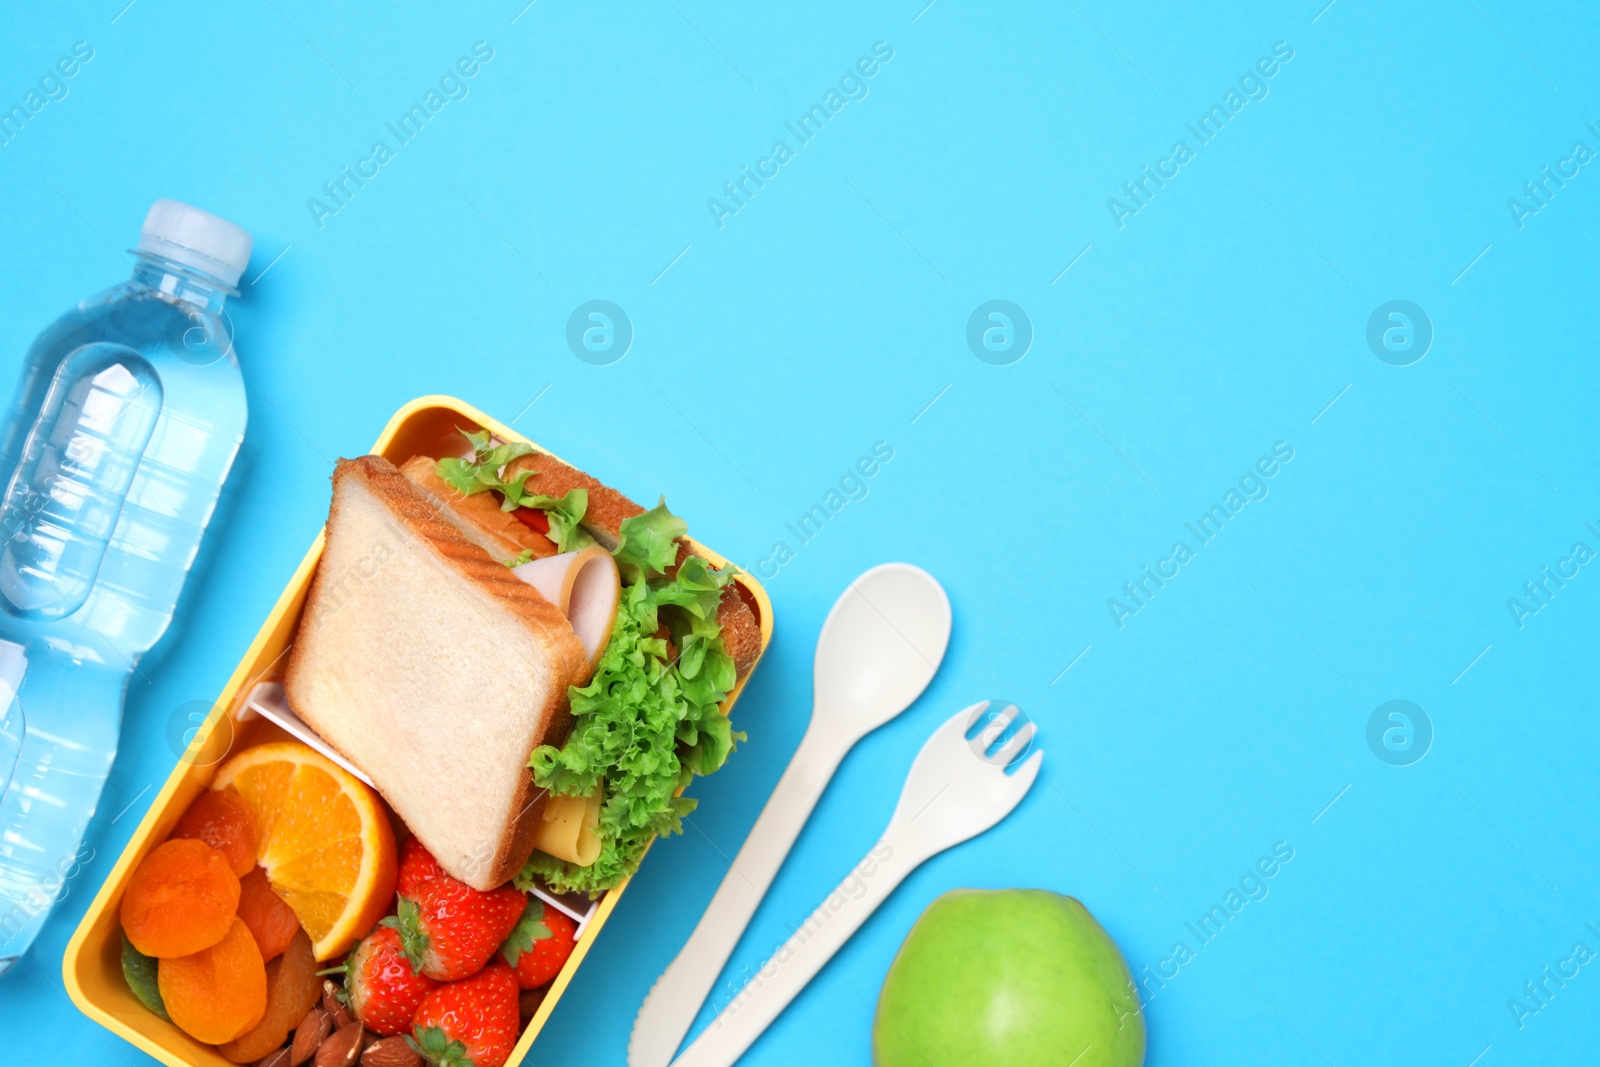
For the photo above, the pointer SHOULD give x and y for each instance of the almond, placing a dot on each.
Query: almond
(342, 1048)
(279, 1058)
(391, 1052)
(528, 1003)
(334, 1006)
(310, 1034)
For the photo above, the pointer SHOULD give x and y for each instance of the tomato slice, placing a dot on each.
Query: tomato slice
(535, 519)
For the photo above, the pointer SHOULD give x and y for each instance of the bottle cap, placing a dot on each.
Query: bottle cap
(196, 239)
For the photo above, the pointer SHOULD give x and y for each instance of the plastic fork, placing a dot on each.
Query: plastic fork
(956, 790)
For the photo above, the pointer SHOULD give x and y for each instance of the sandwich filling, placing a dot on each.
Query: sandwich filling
(561, 520)
(650, 719)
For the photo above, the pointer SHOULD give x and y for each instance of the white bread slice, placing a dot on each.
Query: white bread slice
(434, 669)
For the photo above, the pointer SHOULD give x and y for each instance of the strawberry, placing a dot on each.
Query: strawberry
(449, 930)
(417, 865)
(472, 1022)
(380, 985)
(539, 946)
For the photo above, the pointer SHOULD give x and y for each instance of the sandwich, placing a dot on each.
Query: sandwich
(527, 664)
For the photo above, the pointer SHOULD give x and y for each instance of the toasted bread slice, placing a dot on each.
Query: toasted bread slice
(741, 630)
(441, 712)
(607, 507)
(497, 532)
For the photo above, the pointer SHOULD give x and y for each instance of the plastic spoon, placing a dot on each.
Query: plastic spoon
(956, 790)
(880, 647)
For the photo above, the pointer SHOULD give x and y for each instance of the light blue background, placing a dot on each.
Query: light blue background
(827, 315)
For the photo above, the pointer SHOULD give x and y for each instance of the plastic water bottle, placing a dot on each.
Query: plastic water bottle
(130, 411)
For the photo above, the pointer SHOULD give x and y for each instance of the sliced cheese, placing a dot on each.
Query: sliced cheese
(569, 829)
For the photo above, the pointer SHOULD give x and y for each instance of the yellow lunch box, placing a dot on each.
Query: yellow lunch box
(92, 966)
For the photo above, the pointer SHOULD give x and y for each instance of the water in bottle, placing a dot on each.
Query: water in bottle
(128, 416)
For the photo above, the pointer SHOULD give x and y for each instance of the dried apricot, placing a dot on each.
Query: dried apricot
(181, 899)
(271, 921)
(292, 988)
(222, 819)
(218, 993)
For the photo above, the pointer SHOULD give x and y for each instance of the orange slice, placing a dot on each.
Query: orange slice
(325, 840)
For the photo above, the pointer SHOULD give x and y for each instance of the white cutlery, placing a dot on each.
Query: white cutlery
(956, 790)
(880, 647)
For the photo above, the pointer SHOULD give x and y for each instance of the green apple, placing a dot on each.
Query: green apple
(1008, 978)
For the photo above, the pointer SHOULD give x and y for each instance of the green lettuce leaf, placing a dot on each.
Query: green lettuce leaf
(697, 588)
(484, 472)
(648, 543)
(565, 515)
(645, 724)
